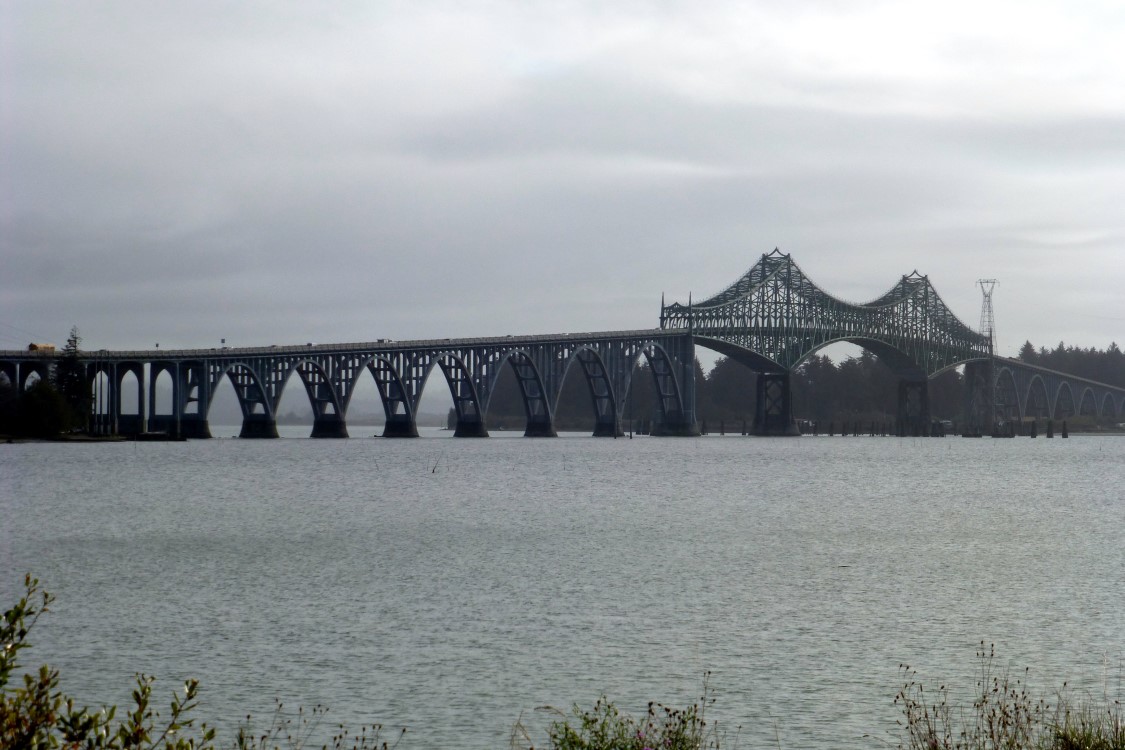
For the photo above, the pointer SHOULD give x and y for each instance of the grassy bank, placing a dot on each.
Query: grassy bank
(35, 713)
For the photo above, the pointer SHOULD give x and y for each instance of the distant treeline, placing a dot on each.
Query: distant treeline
(1094, 364)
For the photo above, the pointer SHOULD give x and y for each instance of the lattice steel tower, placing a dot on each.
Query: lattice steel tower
(983, 399)
(987, 319)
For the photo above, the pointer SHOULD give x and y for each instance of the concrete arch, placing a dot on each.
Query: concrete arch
(600, 383)
(1064, 402)
(1037, 404)
(162, 378)
(900, 362)
(536, 400)
(258, 418)
(247, 386)
(1109, 408)
(668, 388)
(1088, 405)
(755, 361)
(398, 405)
(466, 398)
(328, 411)
(1009, 407)
(125, 370)
(40, 370)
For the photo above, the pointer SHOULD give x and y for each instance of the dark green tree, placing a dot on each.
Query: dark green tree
(70, 378)
(42, 412)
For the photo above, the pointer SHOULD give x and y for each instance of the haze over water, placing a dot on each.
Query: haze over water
(453, 585)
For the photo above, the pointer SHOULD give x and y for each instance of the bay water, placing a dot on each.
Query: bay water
(455, 586)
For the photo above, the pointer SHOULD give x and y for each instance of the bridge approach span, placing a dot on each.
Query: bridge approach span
(1021, 392)
(401, 371)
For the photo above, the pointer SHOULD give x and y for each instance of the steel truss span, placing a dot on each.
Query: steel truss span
(774, 317)
(401, 371)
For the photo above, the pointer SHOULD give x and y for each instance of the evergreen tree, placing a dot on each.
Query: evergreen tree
(70, 379)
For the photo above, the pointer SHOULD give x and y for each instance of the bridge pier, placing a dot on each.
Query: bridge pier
(913, 408)
(607, 428)
(470, 426)
(400, 426)
(130, 424)
(258, 426)
(539, 425)
(980, 414)
(329, 426)
(194, 426)
(187, 426)
(773, 416)
(676, 425)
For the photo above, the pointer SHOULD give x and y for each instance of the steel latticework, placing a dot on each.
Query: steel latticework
(987, 316)
(774, 317)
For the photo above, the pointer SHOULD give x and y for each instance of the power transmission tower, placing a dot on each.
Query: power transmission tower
(982, 376)
(987, 319)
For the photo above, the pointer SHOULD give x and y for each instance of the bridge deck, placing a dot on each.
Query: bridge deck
(380, 345)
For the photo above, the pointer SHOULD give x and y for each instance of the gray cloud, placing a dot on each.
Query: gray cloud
(180, 173)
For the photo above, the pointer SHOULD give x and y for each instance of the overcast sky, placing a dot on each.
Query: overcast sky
(182, 172)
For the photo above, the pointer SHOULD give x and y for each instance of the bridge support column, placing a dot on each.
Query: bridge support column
(470, 426)
(329, 426)
(774, 413)
(130, 424)
(187, 426)
(400, 426)
(258, 426)
(676, 425)
(194, 426)
(539, 425)
(913, 408)
(607, 427)
(979, 398)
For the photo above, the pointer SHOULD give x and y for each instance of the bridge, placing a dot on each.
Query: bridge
(401, 371)
(771, 319)
(774, 317)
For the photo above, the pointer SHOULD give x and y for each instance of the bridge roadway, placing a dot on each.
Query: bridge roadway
(400, 369)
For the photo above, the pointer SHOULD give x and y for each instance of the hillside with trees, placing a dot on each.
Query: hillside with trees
(1093, 364)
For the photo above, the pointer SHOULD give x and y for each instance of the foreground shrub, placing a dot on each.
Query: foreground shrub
(605, 727)
(37, 714)
(1004, 716)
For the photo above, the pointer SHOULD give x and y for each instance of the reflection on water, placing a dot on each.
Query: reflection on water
(452, 585)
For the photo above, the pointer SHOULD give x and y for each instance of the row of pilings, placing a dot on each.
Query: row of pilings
(889, 429)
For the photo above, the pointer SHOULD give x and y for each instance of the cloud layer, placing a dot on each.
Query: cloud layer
(271, 173)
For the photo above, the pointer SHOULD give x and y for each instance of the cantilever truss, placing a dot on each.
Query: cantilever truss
(774, 317)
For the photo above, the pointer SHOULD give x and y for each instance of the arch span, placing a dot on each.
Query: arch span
(1038, 405)
(1064, 402)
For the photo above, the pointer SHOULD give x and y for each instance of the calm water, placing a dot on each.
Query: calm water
(451, 585)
